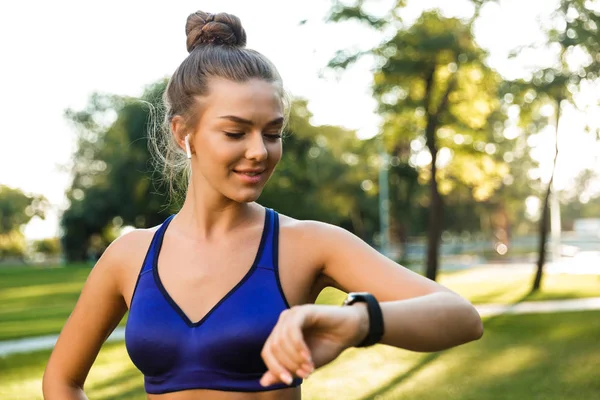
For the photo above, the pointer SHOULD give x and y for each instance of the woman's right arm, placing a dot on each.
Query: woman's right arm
(100, 308)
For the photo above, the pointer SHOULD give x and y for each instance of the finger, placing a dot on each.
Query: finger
(268, 379)
(295, 347)
(299, 320)
(292, 338)
(297, 337)
(274, 366)
(287, 340)
(284, 350)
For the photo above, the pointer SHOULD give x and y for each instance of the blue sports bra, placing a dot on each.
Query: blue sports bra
(222, 350)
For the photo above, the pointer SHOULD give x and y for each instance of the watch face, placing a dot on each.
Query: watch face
(351, 298)
(355, 296)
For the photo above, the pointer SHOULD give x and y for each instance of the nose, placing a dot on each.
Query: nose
(256, 149)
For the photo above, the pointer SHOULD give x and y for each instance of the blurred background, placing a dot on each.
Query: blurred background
(461, 139)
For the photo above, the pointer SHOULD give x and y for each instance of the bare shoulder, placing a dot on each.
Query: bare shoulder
(349, 263)
(124, 257)
(308, 226)
(316, 232)
(130, 246)
(316, 237)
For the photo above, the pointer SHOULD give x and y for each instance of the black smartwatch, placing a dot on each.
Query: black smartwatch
(375, 316)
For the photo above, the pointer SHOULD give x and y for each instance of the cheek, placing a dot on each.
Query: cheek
(219, 152)
(275, 152)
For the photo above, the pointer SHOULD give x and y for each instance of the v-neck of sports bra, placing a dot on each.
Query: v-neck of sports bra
(174, 304)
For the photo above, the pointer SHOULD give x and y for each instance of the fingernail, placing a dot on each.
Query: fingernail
(287, 378)
(304, 372)
(266, 381)
(307, 356)
(301, 373)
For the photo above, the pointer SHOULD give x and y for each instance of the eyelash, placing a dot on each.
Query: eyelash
(236, 135)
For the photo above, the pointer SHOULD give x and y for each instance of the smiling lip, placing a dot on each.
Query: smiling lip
(252, 176)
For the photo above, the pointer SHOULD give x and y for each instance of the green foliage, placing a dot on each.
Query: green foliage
(433, 77)
(439, 102)
(341, 12)
(112, 175)
(16, 210)
(12, 245)
(47, 246)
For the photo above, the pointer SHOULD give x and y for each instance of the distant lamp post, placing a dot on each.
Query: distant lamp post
(555, 228)
(384, 202)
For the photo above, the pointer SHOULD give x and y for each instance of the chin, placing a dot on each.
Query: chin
(246, 196)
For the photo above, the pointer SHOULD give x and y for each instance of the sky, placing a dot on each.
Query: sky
(55, 54)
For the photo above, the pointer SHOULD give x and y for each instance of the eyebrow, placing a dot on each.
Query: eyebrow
(233, 118)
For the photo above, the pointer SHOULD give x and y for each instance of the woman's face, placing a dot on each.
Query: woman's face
(237, 139)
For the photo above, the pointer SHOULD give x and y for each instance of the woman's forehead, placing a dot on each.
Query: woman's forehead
(246, 100)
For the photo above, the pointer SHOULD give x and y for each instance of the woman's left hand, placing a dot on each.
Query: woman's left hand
(309, 336)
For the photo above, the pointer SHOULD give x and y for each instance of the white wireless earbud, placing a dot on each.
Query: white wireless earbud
(188, 151)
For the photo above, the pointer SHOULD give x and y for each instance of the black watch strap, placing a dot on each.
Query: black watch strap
(375, 316)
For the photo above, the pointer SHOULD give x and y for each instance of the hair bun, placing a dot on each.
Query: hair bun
(214, 29)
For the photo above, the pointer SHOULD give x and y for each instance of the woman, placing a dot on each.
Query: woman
(220, 295)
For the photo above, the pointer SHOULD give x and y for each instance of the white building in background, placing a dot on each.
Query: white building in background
(587, 226)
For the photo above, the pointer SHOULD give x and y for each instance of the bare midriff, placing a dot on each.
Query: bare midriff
(202, 394)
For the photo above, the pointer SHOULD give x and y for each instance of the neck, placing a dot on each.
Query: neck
(206, 214)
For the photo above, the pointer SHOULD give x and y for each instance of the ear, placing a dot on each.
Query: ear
(179, 131)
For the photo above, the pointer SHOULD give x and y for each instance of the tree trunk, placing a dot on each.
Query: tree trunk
(435, 219)
(437, 205)
(544, 219)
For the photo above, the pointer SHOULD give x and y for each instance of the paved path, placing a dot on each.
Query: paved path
(26, 345)
(537, 307)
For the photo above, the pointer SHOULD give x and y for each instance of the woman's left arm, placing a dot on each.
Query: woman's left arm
(419, 314)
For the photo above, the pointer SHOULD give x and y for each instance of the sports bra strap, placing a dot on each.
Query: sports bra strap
(268, 257)
(156, 244)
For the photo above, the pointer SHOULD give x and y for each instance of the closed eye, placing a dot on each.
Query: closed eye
(239, 135)
(234, 135)
(273, 136)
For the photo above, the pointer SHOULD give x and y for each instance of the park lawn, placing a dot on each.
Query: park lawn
(504, 285)
(38, 300)
(508, 285)
(540, 356)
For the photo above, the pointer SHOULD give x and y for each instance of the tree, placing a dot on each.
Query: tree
(16, 210)
(573, 31)
(112, 175)
(47, 246)
(435, 92)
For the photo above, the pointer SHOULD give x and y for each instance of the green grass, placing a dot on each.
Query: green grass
(501, 285)
(38, 300)
(113, 376)
(545, 356)
(507, 285)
